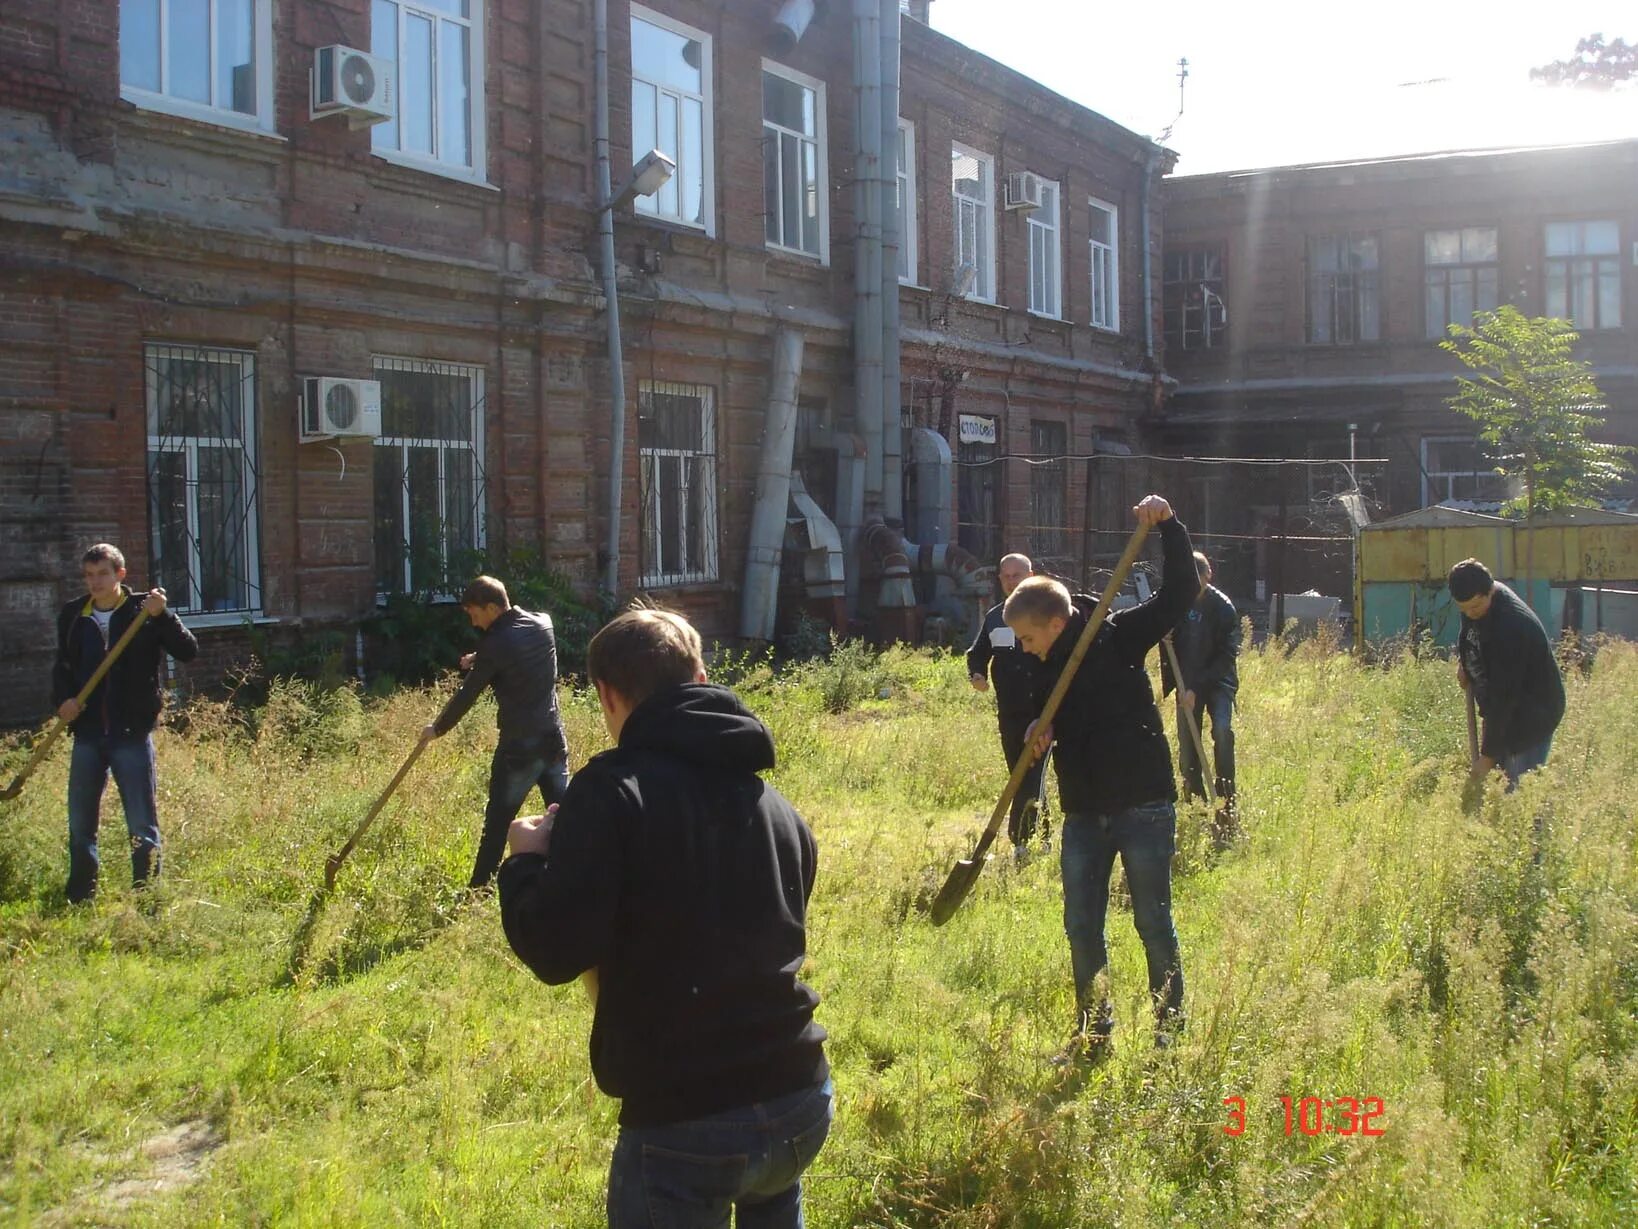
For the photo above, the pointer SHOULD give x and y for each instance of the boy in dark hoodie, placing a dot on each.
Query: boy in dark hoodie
(114, 731)
(681, 878)
(1114, 773)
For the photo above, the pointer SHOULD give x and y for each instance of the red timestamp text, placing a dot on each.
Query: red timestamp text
(1317, 1115)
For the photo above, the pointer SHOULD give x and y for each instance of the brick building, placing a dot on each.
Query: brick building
(1303, 309)
(184, 247)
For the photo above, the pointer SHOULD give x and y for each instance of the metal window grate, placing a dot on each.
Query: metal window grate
(677, 460)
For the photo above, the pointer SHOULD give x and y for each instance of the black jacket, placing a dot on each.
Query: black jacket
(1515, 676)
(1112, 750)
(128, 701)
(518, 655)
(683, 879)
(1012, 672)
(1207, 643)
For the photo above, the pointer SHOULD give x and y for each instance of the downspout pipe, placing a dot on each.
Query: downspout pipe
(867, 247)
(892, 229)
(760, 599)
(1149, 165)
(611, 296)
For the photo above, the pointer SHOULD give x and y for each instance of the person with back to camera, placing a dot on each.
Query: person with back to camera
(1114, 775)
(996, 657)
(681, 879)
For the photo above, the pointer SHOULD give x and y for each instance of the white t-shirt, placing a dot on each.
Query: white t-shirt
(103, 618)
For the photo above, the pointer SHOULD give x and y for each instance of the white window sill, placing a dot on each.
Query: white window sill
(1113, 329)
(200, 113)
(1047, 316)
(225, 618)
(909, 284)
(460, 174)
(823, 261)
(682, 226)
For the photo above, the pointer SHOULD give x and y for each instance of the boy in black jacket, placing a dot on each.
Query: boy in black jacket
(1114, 773)
(1505, 658)
(995, 655)
(114, 731)
(518, 657)
(1207, 642)
(682, 879)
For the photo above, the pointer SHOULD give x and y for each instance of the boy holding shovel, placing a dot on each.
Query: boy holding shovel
(113, 732)
(1114, 774)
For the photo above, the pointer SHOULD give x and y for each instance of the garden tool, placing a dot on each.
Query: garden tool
(333, 863)
(58, 724)
(1189, 717)
(965, 873)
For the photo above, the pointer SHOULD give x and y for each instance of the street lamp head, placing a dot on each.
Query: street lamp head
(652, 172)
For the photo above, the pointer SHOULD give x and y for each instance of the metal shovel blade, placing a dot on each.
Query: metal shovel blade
(11, 791)
(956, 887)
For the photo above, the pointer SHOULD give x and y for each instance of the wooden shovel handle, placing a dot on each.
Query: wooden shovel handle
(1190, 719)
(58, 725)
(333, 863)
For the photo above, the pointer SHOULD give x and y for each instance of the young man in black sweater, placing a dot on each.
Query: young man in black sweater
(1114, 773)
(995, 655)
(681, 878)
(113, 733)
(1506, 659)
(1207, 643)
(518, 657)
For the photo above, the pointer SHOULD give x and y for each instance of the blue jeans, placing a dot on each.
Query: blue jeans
(1145, 838)
(131, 760)
(1528, 760)
(688, 1175)
(519, 765)
(1218, 705)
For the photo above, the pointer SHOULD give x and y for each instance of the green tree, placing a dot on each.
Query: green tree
(1535, 404)
(1596, 65)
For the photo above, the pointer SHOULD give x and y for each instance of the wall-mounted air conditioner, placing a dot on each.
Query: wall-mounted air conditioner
(346, 81)
(1023, 190)
(332, 407)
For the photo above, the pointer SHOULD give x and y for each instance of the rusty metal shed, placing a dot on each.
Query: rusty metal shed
(1582, 565)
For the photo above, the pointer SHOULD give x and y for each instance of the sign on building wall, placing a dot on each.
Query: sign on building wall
(977, 429)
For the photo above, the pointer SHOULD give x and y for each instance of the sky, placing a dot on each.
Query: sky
(1274, 82)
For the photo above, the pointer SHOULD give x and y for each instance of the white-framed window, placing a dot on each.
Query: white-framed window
(1344, 300)
(1584, 273)
(1454, 468)
(677, 460)
(794, 170)
(207, 59)
(1046, 262)
(429, 475)
(1103, 242)
(202, 478)
(1192, 303)
(1460, 275)
(907, 202)
(439, 49)
(972, 182)
(671, 112)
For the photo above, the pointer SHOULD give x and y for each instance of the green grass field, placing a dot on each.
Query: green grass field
(159, 1066)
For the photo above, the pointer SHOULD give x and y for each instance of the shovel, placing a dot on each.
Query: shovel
(965, 873)
(1472, 733)
(59, 725)
(332, 864)
(1191, 720)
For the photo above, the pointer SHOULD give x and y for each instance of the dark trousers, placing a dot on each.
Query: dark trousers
(1218, 705)
(1023, 818)
(518, 767)
(130, 758)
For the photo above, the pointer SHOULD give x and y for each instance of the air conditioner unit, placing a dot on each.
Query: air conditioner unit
(1023, 190)
(346, 81)
(332, 407)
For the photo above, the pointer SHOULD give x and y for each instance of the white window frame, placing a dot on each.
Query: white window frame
(1104, 310)
(907, 202)
(1573, 276)
(1050, 237)
(189, 447)
(984, 288)
(262, 122)
(707, 152)
(1443, 271)
(650, 526)
(480, 478)
(822, 171)
(477, 172)
(1429, 476)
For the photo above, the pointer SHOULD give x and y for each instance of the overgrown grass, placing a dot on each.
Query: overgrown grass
(1478, 972)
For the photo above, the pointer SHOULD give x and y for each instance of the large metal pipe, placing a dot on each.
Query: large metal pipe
(760, 600)
(1149, 164)
(611, 294)
(867, 247)
(892, 432)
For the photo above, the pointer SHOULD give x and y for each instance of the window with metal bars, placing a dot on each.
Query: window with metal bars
(677, 459)
(1049, 494)
(203, 478)
(429, 475)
